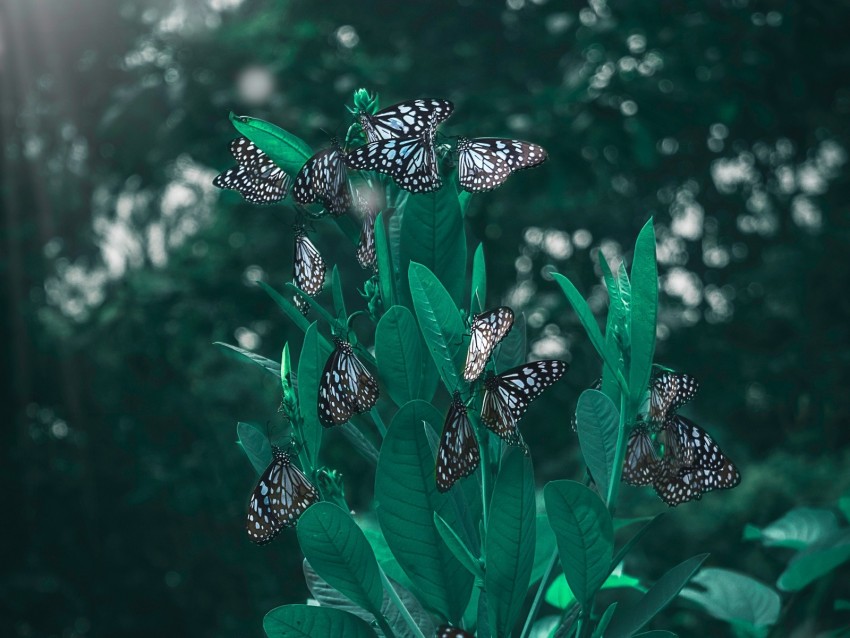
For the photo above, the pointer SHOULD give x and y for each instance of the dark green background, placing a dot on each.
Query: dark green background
(123, 492)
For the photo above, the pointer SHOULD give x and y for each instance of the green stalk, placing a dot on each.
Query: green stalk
(391, 592)
(619, 454)
(379, 423)
(484, 453)
(538, 597)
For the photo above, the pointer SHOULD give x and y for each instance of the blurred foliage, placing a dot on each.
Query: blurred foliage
(124, 491)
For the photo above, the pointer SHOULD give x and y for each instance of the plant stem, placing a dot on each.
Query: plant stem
(620, 452)
(538, 597)
(379, 423)
(391, 592)
(484, 453)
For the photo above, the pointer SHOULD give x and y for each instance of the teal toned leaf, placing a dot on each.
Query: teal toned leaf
(255, 443)
(240, 353)
(799, 528)
(457, 547)
(310, 365)
(407, 498)
(287, 384)
(544, 546)
(288, 151)
(439, 322)
(656, 633)
(630, 619)
(336, 288)
(644, 307)
(386, 270)
(616, 324)
(561, 596)
(545, 627)
(307, 621)
(602, 625)
(510, 540)
(597, 425)
(478, 292)
(336, 325)
(432, 234)
(844, 506)
(842, 605)
(588, 321)
(816, 561)
(734, 597)
(584, 533)
(463, 198)
(339, 552)
(398, 353)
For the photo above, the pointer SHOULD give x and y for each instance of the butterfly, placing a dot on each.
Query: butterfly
(405, 119)
(642, 464)
(282, 494)
(669, 392)
(486, 162)
(488, 329)
(458, 454)
(410, 161)
(324, 178)
(447, 631)
(692, 464)
(308, 268)
(257, 178)
(366, 252)
(346, 388)
(507, 395)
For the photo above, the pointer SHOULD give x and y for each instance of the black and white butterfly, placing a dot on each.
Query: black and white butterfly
(346, 387)
(410, 161)
(447, 631)
(642, 463)
(692, 464)
(367, 255)
(282, 494)
(488, 329)
(308, 268)
(257, 178)
(483, 163)
(507, 395)
(405, 119)
(325, 179)
(668, 392)
(458, 454)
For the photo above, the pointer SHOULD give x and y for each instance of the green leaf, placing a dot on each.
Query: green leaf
(310, 365)
(336, 288)
(841, 605)
(478, 291)
(597, 425)
(267, 364)
(255, 443)
(288, 151)
(399, 355)
(510, 541)
(432, 234)
(616, 323)
(815, 561)
(602, 625)
(339, 552)
(734, 597)
(336, 325)
(544, 546)
(561, 596)
(463, 198)
(407, 498)
(588, 321)
(584, 533)
(799, 528)
(386, 271)
(439, 321)
(286, 380)
(629, 620)
(656, 633)
(458, 548)
(844, 507)
(644, 307)
(513, 350)
(308, 621)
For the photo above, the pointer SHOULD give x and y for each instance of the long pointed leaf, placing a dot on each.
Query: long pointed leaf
(644, 281)
(597, 423)
(307, 621)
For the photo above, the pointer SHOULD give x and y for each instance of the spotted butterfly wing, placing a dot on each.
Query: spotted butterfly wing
(282, 494)
(410, 161)
(486, 162)
(457, 455)
(488, 329)
(256, 177)
(641, 465)
(308, 269)
(405, 119)
(325, 179)
(447, 631)
(367, 255)
(669, 392)
(346, 387)
(507, 395)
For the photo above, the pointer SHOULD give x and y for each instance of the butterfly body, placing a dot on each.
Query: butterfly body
(256, 177)
(484, 163)
(281, 495)
(457, 454)
(324, 178)
(488, 329)
(346, 387)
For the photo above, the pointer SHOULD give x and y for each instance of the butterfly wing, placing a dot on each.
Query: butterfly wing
(410, 161)
(447, 631)
(308, 268)
(457, 455)
(366, 251)
(325, 179)
(486, 162)
(256, 177)
(669, 392)
(298, 494)
(405, 119)
(488, 329)
(642, 464)
(346, 387)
